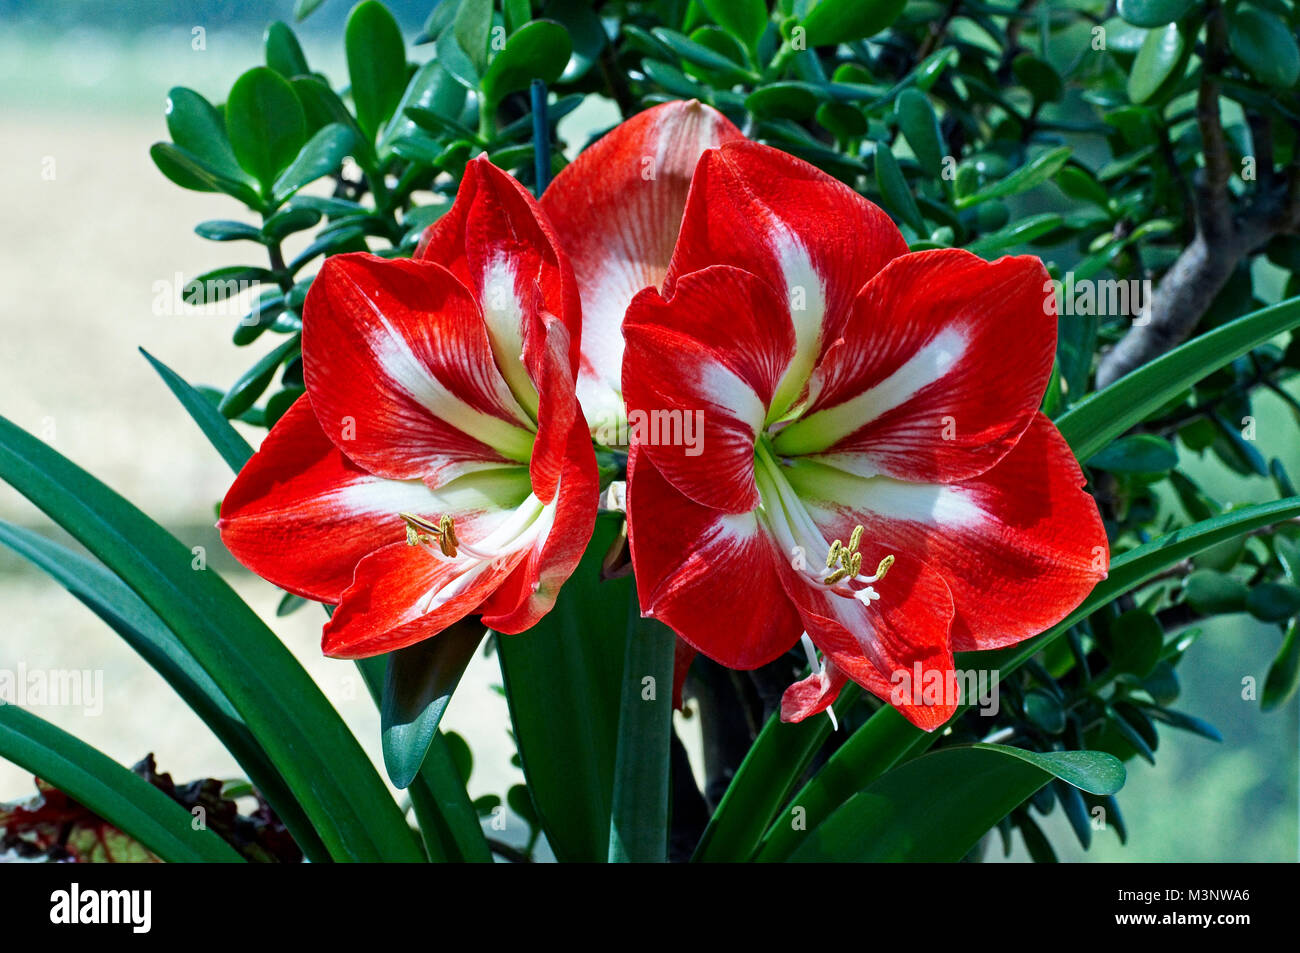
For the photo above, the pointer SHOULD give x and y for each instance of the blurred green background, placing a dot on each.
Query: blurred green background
(84, 81)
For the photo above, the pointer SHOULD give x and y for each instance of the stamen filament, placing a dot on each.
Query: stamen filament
(843, 562)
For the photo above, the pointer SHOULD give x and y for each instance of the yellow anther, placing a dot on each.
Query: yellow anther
(443, 532)
(448, 528)
(884, 566)
(838, 575)
(833, 556)
(847, 558)
(447, 536)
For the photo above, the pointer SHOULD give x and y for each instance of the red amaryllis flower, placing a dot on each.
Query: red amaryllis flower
(439, 464)
(617, 209)
(873, 468)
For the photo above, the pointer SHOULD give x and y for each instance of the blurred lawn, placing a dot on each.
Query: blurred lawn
(80, 256)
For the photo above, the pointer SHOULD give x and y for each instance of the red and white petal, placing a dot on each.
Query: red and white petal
(557, 410)
(405, 594)
(809, 235)
(302, 515)
(703, 366)
(530, 591)
(712, 577)
(498, 242)
(814, 694)
(883, 645)
(400, 372)
(942, 367)
(617, 210)
(1020, 546)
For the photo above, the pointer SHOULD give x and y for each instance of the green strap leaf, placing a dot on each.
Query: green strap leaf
(417, 687)
(448, 822)
(1097, 420)
(638, 829)
(937, 807)
(447, 819)
(234, 449)
(764, 782)
(563, 684)
(128, 802)
(110, 599)
(283, 708)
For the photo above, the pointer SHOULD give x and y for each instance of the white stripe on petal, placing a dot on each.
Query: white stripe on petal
(828, 491)
(807, 300)
(720, 385)
(372, 494)
(927, 366)
(504, 314)
(410, 374)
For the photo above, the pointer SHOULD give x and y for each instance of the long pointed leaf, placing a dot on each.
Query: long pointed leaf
(638, 831)
(563, 683)
(417, 687)
(448, 821)
(234, 449)
(283, 708)
(1095, 421)
(936, 808)
(764, 782)
(90, 777)
(114, 602)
